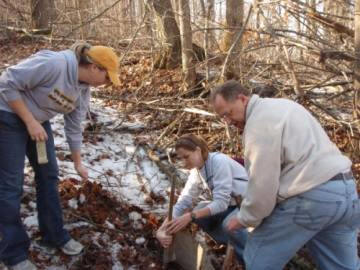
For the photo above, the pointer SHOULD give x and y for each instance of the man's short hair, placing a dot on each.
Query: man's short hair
(229, 91)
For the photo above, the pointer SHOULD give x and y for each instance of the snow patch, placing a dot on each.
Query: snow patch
(73, 203)
(140, 240)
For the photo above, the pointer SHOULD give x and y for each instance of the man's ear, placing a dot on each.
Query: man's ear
(244, 99)
(241, 97)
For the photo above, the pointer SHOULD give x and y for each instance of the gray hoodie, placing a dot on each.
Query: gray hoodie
(48, 84)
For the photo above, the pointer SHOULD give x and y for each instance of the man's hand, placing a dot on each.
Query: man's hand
(234, 224)
(179, 223)
(82, 171)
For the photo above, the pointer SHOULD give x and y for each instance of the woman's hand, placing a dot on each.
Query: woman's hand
(164, 238)
(82, 171)
(34, 128)
(36, 131)
(179, 223)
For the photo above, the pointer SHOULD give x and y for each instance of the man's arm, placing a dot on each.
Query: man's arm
(263, 152)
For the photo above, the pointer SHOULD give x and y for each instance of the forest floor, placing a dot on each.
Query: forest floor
(115, 213)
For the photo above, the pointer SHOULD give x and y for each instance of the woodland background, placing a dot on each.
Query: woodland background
(173, 52)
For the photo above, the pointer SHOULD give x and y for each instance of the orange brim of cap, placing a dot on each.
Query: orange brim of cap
(114, 78)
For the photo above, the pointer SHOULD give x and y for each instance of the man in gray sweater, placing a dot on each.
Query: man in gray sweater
(301, 189)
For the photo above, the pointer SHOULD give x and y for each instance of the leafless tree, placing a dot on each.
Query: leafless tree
(234, 21)
(42, 13)
(188, 66)
(168, 33)
(357, 61)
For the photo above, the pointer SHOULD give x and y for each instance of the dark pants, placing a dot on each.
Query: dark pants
(15, 143)
(216, 227)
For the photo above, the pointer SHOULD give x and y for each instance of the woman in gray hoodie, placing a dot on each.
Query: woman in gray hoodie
(226, 182)
(31, 93)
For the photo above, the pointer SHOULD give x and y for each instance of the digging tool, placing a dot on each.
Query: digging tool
(229, 248)
(228, 257)
(41, 152)
(169, 252)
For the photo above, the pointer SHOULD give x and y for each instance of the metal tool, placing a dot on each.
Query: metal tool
(41, 152)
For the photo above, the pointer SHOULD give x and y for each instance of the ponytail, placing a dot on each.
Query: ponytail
(80, 48)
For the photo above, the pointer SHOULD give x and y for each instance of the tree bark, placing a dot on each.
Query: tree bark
(312, 23)
(234, 22)
(168, 33)
(42, 13)
(83, 6)
(258, 19)
(357, 61)
(207, 10)
(188, 66)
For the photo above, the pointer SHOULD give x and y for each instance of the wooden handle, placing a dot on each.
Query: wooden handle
(169, 252)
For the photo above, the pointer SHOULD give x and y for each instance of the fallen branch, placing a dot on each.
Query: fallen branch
(290, 68)
(28, 32)
(169, 128)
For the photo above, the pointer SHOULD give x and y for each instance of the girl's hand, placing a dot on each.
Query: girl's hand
(178, 224)
(82, 171)
(164, 239)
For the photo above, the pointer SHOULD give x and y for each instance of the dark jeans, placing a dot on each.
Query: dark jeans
(15, 143)
(325, 219)
(216, 225)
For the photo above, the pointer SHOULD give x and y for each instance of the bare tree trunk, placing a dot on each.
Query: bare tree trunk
(168, 33)
(131, 14)
(42, 13)
(188, 66)
(234, 22)
(140, 10)
(83, 6)
(330, 8)
(357, 61)
(257, 18)
(312, 23)
(299, 30)
(149, 22)
(207, 10)
(345, 11)
(211, 3)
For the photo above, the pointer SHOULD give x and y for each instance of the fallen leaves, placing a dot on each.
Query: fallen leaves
(111, 231)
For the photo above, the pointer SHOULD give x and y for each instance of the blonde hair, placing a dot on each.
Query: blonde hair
(190, 142)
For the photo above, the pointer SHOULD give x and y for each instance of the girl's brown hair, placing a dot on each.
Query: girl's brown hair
(190, 142)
